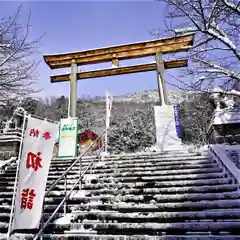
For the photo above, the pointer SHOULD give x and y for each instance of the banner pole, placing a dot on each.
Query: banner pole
(16, 177)
(106, 140)
(107, 121)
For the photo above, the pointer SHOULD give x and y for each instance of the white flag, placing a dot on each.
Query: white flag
(109, 100)
(35, 160)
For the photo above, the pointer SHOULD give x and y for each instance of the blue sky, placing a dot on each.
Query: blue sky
(81, 25)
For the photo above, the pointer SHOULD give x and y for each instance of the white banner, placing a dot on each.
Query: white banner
(68, 137)
(109, 100)
(38, 143)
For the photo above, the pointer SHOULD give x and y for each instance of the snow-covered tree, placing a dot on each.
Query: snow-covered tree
(132, 131)
(196, 114)
(17, 67)
(215, 57)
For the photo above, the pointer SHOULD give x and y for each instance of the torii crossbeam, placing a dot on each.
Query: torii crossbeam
(113, 54)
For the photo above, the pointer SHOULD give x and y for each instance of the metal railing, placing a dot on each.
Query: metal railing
(16, 130)
(7, 163)
(64, 176)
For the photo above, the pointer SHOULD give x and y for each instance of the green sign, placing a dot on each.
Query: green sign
(68, 137)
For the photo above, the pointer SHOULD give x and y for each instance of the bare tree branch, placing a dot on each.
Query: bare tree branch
(234, 7)
(215, 56)
(17, 67)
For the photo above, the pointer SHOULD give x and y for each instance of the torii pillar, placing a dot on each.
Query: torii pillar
(166, 134)
(163, 99)
(72, 106)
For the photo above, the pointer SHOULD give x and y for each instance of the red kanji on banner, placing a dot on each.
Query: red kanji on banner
(34, 161)
(27, 198)
(47, 135)
(34, 132)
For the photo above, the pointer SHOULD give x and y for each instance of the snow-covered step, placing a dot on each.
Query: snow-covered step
(172, 177)
(216, 214)
(62, 167)
(139, 163)
(157, 160)
(167, 172)
(155, 207)
(215, 185)
(161, 175)
(166, 190)
(163, 190)
(108, 169)
(179, 177)
(134, 156)
(164, 163)
(196, 196)
(150, 228)
(160, 184)
(135, 160)
(97, 188)
(152, 173)
(73, 235)
(146, 198)
(178, 183)
(134, 179)
(197, 182)
(135, 199)
(3, 225)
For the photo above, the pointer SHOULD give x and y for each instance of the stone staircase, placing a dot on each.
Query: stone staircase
(176, 195)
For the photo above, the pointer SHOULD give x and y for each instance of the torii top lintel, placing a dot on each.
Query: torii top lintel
(122, 52)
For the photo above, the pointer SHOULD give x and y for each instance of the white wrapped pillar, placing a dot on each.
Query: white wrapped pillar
(166, 134)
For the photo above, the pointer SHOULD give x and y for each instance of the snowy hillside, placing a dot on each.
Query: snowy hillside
(151, 96)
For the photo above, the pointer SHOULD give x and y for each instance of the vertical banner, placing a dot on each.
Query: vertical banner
(177, 120)
(68, 137)
(109, 100)
(35, 160)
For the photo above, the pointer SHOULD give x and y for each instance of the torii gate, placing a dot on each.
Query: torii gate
(123, 52)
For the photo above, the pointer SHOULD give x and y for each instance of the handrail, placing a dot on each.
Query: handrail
(222, 156)
(72, 165)
(7, 163)
(61, 177)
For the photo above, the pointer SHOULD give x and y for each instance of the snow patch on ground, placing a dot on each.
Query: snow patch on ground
(94, 203)
(78, 194)
(57, 193)
(81, 230)
(100, 164)
(65, 220)
(104, 155)
(89, 177)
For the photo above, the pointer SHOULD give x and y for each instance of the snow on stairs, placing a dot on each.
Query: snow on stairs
(174, 195)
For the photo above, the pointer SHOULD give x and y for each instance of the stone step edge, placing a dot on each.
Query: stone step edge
(131, 237)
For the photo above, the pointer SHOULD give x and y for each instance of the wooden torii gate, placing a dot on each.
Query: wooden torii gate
(123, 52)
